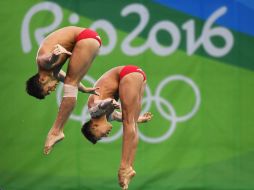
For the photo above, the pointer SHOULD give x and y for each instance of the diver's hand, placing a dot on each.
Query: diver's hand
(145, 117)
(60, 50)
(109, 103)
(92, 90)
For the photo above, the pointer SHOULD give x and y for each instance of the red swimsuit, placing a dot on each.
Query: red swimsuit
(88, 33)
(131, 69)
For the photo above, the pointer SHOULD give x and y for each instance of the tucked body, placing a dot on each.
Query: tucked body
(80, 46)
(126, 83)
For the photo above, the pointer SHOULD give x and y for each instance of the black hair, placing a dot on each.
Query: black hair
(34, 88)
(86, 130)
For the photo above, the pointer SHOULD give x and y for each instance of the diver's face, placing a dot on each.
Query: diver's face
(48, 84)
(101, 129)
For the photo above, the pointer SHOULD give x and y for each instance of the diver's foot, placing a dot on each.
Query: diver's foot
(51, 140)
(125, 175)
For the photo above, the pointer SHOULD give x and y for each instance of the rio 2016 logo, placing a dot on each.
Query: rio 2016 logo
(192, 42)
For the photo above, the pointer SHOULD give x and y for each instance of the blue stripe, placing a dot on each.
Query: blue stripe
(239, 16)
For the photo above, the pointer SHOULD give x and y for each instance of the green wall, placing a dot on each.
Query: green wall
(201, 136)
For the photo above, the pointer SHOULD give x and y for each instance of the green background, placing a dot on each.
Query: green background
(211, 151)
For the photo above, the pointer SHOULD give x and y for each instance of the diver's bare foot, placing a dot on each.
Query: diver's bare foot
(51, 140)
(124, 177)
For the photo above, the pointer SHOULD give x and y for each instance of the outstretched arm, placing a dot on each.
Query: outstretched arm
(117, 116)
(61, 76)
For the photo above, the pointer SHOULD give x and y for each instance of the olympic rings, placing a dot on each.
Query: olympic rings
(187, 81)
(148, 100)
